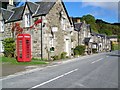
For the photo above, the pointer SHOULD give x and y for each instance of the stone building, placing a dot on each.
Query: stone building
(84, 35)
(1, 29)
(101, 42)
(90, 39)
(50, 37)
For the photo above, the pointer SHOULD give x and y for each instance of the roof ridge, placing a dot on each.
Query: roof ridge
(32, 2)
(17, 7)
(7, 10)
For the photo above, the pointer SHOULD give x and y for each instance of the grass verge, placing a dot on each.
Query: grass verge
(116, 47)
(7, 60)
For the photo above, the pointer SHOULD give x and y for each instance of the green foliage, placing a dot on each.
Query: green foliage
(107, 28)
(89, 19)
(79, 50)
(99, 26)
(63, 55)
(115, 47)
(13, 61)
(112, 46)
(76, 52)
(9, 47)
(44, 59)
(56, 57)
(94, 50)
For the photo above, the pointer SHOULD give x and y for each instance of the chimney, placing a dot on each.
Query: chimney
(10, 5)
(11, 2)
(78, 20)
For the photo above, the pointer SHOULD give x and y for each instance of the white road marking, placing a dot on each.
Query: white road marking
(96, 60)
(53, 79)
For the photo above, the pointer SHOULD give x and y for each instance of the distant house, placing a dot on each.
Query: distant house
(113, 39)
(90, 39)
(49, 38)
(100, 42)
(84, 35)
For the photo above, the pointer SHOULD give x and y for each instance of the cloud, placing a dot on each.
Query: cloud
(103, 5)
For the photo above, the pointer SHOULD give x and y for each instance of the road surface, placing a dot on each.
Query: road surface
(96, 71)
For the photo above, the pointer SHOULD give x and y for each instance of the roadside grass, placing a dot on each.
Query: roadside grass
(7, 60)
(116, 47)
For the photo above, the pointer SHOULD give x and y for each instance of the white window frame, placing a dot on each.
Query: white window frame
(51, 42)
(27, 20)
(63, 23)
(2, 27)
(84, 33)
(1, 47)
(54, 29)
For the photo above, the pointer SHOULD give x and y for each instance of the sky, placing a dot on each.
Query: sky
(106, 10)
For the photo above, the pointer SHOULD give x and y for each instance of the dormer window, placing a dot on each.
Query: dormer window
(27, 20)
(2, 26)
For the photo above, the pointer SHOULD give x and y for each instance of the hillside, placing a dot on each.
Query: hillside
(101, 26)
(108, 28)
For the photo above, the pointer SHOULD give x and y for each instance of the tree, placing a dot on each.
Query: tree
(89, 19)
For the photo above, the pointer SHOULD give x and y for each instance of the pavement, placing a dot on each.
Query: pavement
(95, 71)
(9, 69)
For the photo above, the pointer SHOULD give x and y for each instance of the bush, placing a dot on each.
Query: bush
(55, 57)
(9, 47)
(76, 52)
(79, 50)
(94, 50)
(63, 55)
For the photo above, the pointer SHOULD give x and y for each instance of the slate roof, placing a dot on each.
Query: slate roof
(6, 14)
(115, 36)
(44, 8)
(18, 13)
(96, 34)
(77, 26)
(36, 9)
(32, 7)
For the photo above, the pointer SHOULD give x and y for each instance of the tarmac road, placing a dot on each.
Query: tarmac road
(96, 71)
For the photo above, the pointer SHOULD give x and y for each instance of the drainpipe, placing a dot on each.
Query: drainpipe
(78, 37)
(41, 41)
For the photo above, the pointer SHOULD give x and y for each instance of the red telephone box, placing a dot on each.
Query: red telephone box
(23, 48)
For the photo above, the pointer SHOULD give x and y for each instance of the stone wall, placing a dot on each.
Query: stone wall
(53, 20)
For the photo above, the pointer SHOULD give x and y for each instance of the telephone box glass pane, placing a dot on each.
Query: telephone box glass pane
(27, 49)
(20, 48)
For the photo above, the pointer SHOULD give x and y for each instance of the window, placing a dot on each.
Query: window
(1, 47)
(2, 26)
(63, 20)
(54, 29)
(27, 20)
(51, 44)
(84, 33)
(52, 41)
